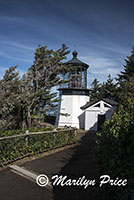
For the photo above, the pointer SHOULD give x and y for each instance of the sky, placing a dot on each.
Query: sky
(101, 30)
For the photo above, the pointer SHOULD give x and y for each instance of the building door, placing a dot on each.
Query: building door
(101, 120)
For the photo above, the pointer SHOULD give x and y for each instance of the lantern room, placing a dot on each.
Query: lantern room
(77, 73)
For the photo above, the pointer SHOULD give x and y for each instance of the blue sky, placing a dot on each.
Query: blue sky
(102, 31)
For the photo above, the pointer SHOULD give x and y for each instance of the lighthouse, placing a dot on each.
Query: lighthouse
(73, 94)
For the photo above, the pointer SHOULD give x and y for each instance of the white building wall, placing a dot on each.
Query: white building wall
(86, 119)
(65, 108)
(91, 118)
(71, 104)
(91, 115)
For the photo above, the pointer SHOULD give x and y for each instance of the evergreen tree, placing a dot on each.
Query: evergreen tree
(9, 106)
(95, 90)
(21, 98)
(109, 89)
(128, 68)
(126, 89)
(126, 79)
(44, 75)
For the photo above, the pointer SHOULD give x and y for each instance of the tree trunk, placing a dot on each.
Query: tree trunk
(28, 117)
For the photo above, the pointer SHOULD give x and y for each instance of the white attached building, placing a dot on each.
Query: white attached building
(75, 109)
(96, 113)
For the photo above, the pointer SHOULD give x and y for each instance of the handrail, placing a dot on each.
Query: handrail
(34, 133)
(25, 147)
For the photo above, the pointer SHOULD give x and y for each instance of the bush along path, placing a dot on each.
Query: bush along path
(115, 151)
(19, 145)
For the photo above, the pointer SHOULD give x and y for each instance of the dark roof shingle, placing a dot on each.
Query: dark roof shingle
(109, 101)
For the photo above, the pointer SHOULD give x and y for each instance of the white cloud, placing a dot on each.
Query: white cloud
(98, 62)
(100, 68)
(8, 42)
(15, 58)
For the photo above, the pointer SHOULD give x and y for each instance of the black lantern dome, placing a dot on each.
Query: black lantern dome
(75, 61)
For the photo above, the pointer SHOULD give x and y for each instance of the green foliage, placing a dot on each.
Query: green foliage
(126, 79)
(9, 106)
(126, 89)
(31, 95)
(17, 147)
(128, 68)
(107, 89)
(20, 131)
(95, 90)
(115, 150)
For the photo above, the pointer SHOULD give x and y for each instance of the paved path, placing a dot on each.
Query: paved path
(74, 162)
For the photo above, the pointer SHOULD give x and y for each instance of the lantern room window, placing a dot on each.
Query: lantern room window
(77, 74)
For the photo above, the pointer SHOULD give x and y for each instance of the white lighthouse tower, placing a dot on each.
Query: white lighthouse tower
(73, 94)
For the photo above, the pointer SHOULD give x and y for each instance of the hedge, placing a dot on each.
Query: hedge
(11, 149)
(115, 151)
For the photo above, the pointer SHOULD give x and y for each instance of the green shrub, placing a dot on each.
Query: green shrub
(16, 147)
(115, 150)
(20, 131)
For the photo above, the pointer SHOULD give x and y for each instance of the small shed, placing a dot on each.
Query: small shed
(96, 113)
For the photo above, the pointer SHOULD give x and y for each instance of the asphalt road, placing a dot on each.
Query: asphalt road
(15, 187)
(73, 162)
